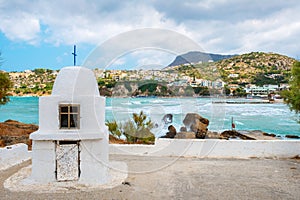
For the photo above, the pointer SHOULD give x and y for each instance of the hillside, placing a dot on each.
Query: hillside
(196, 57)
(256, 67)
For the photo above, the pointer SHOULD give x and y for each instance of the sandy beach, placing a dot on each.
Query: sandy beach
(187, 178)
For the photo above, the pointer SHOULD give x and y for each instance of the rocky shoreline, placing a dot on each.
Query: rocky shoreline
(195, 126)
(13, 132)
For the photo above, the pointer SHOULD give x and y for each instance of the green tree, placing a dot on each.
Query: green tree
(227, 90)
(261, 79)
(202, 91)
(240, 92)
(109, 83)
(5, 85)
(39, 71)
(292, 96)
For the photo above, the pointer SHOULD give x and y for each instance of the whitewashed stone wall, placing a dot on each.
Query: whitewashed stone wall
(13, 155)
(211, 148)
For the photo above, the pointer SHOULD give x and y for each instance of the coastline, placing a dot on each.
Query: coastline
(229, 98)
(13, 132)
(272, 118)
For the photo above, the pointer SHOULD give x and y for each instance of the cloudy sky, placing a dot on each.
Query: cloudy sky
(42, 33)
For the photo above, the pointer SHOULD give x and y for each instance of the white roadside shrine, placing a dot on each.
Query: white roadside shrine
(72, 141)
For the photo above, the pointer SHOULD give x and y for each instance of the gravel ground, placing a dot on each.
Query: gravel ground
(187, 178)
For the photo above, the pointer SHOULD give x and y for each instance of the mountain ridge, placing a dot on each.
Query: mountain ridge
(197, 57)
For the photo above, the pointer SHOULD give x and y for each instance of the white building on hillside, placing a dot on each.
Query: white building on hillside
(265, 90)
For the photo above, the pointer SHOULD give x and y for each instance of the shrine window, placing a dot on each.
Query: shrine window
(69, 116)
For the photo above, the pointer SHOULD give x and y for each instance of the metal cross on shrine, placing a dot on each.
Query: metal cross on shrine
(74, 54)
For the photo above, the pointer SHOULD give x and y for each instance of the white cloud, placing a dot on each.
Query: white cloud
(95, 24)
(277, 31)
(152, 58)
(227, 26)
(142, 59)
(24, 27)
(141, 39)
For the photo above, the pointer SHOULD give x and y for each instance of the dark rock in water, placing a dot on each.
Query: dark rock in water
(168, 118)
(183, 129)
(292, 136)
(192, 117)
(212, 135)
(204, 120)
(172, 129)
(297, 157)
(201, 134)
(172, 132)
(197, 124)
(258, 134)
(269, 134)
(185, 135)
(234, 134)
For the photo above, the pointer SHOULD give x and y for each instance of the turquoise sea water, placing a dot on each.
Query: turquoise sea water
(23, 109)
(271, 118)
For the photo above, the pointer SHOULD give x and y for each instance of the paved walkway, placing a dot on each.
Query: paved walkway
(188, 178)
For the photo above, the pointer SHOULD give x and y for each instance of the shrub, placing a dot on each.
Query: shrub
(114, 128)
(135, 130)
